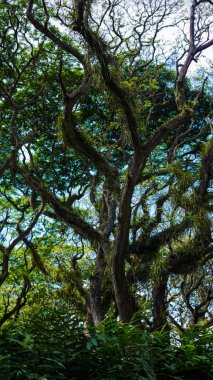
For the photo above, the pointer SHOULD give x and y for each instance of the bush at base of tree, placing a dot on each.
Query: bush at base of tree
(51, 344)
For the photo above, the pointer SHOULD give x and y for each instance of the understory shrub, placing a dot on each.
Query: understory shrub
(54, 345)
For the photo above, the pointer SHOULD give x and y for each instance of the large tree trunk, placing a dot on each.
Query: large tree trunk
(97, 308)
(159, 305)
(124, 301)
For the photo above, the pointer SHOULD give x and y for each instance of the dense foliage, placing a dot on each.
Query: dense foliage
(105, 190)
(62, 350)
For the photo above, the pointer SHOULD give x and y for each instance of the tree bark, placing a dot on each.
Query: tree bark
(159, 304)
(124, 301)
(96, 288)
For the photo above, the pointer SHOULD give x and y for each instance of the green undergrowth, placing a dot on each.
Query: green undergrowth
(55, 345)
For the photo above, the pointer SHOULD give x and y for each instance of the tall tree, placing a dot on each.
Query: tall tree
(126, 166)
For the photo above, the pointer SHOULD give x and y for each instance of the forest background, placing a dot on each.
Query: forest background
(106, 189)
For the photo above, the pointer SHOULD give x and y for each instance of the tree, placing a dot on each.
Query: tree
(126, 167)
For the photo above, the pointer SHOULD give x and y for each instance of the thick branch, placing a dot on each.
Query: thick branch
(67, 215)
(20, 302)
(79, 142)
(206, 171)
(192, 52)
(104, 58)
(44, 29)
(144, 247)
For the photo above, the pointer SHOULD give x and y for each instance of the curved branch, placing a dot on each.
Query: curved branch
(44, 29)
(67, 215)
(206, 171)
(104, 58)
